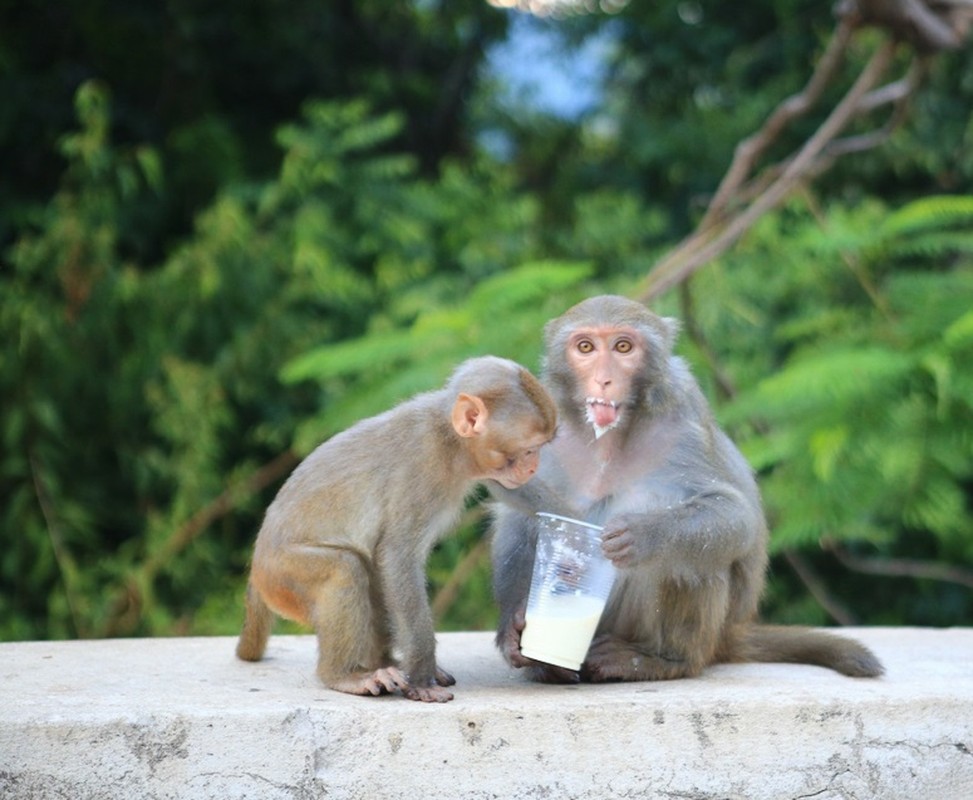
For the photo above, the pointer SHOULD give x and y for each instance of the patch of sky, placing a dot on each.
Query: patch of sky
(539, 70)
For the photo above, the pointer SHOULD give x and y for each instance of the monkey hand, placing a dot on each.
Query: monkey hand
(531, 497)
(508, 640)
(625, 540)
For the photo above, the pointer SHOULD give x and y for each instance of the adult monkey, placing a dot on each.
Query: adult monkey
(638, 451)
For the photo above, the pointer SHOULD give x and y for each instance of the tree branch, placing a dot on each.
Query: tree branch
(126, 607)
(901, 567)
(749, 151)
(66, 564)
(928, 26)
(837, 610)
(928, 29)
(680, 264)
(725, 388)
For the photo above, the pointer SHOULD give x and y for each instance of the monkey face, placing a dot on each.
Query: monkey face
(605, 361)
(511, 466)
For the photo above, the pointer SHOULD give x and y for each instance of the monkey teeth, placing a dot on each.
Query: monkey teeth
(602, 414)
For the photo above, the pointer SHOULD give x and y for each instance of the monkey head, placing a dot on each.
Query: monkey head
(606, 357)
(505, 416)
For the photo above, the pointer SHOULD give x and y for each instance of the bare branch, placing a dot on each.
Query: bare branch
(682, 263)
(724, 383)
(898, 93)
(902, 567)
(219, 507)
(928, 29)
(749, 151)
(818, 590)
(66, 563)
(927, 25)
(125, 609)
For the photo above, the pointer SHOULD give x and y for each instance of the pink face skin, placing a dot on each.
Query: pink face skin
(605, 359)
(511, 470)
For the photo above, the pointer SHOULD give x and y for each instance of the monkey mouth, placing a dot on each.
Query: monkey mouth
(602, 414)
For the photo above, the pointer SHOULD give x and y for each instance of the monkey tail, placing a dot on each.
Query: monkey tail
(801, 645)
(256, 627)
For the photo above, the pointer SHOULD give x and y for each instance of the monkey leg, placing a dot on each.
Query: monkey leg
(678, 640)
(610, 659)
(331, 589)
(347, 611)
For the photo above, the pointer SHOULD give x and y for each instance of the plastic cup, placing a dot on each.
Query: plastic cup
(569, 586)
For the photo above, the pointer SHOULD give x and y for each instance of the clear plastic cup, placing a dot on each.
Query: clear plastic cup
(568, 590)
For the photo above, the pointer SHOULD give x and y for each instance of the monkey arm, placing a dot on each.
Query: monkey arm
(534, 496)
(403, 586)
(514, 544)
(705, 532)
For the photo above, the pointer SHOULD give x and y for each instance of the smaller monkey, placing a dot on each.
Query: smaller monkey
(343, 546)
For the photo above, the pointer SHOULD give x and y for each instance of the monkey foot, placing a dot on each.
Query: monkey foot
(389, 680)
(428, 694)
(610, 660)
(381, 681)
(548, 673)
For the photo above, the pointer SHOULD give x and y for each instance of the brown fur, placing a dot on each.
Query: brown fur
(344, 544)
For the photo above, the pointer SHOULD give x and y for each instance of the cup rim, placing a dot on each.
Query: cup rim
(573, 521)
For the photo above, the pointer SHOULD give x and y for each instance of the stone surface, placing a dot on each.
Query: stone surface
(182, 718)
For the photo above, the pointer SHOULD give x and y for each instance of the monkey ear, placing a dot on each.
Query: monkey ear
(672, 327)
(469, 415)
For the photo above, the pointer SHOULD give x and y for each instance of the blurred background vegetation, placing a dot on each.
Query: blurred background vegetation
(228, 230)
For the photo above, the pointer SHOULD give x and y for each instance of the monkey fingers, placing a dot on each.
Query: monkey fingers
(618, 546)
(508, 641)
(428, 694)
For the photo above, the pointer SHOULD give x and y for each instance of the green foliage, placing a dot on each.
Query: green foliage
(206, 85)
(188, 301)
(501, 316)
(862, 425)
(138, 399)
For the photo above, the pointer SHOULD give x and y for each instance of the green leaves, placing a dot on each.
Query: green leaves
(154, 394)
(502, 316)
(862, 431)
(845, 378)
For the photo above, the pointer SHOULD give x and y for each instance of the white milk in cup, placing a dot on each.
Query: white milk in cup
(568, 590)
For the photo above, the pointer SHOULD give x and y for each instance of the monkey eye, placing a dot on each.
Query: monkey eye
(623, 346)
(585, 346)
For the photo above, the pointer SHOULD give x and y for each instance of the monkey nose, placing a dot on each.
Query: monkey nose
(528, 469)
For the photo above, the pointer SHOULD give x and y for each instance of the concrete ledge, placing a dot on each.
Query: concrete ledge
(181, 718)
